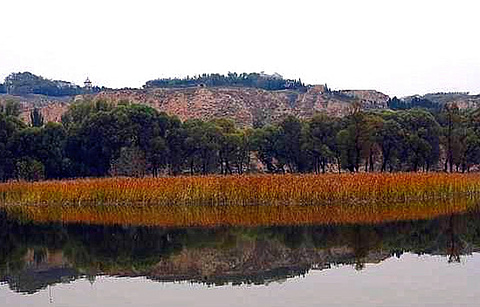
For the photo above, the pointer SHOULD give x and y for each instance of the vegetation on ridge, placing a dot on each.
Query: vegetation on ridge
(256, 80)
(25, 83)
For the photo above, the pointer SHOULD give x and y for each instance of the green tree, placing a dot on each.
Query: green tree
(10, 107)
(391, 140)
(52, 153)
(422, 133)
(178, 152)
(346, 152)
(95, 143)
(83, 110)
(290, 145)
(157, 154)
(36, 118)
(202, 145)
(319, 141)
(9, 126)
(30, 170)
(350, 140)
(229, 145)
(472, 150)
(242, 155)
(370, 139)
(266, 142)
(131, 162)
(44, 145)
(27, 83)
(453, 135)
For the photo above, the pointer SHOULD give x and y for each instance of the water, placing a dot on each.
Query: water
(412, 263)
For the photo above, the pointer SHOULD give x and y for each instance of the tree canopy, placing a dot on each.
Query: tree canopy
(98, 138)
(24, 83)
(257, 80)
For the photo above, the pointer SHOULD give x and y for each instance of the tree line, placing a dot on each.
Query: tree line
(25, 83)
(98, 138)
(255, 80)
(415, 102)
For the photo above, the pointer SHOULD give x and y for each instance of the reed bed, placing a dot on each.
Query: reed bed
(244, 200)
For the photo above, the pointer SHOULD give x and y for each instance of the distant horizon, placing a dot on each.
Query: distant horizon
(399, 48)
(80, 83)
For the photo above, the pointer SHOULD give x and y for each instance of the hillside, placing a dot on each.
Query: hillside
(247, 106)
(437, 101)
(463, 100)
(52, 108)
(251, 100)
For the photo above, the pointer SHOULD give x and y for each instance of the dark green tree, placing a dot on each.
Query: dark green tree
(10, 107)
(319, 141)
(266, 142)
(453, 134)
(9, 126)
(36, 118)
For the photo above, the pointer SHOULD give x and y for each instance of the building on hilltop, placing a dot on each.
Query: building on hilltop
(272, 76)
(87, 84)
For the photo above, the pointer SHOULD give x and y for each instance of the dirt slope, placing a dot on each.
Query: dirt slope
(246, 106)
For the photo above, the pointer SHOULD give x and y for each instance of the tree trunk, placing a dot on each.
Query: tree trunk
(371, 162)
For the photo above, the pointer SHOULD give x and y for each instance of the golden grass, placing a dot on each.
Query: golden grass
(244, 200)
(197, 215)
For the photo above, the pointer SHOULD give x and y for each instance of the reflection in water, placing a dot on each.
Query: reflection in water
(33, 256)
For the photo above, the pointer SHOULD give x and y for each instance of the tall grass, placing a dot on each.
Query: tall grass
(244, 200)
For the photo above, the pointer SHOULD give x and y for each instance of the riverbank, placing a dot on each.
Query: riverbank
(244, 200)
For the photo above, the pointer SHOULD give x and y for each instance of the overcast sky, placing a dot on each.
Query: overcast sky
(397, 47)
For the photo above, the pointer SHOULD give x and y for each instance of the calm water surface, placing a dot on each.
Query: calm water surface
(412, 263)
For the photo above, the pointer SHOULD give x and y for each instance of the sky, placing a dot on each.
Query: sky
(397, 47)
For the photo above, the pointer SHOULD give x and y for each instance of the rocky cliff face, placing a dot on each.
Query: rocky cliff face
(462, 100)
(248, 106)
(52, 112)
(52, 108)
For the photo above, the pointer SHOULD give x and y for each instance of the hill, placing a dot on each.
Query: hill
(252, 99)
(436, 101)
(245, 105)
(52, 108)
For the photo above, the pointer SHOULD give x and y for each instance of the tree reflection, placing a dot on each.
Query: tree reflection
(33, 256)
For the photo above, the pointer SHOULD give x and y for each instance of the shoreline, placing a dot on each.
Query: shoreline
(244, 200)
